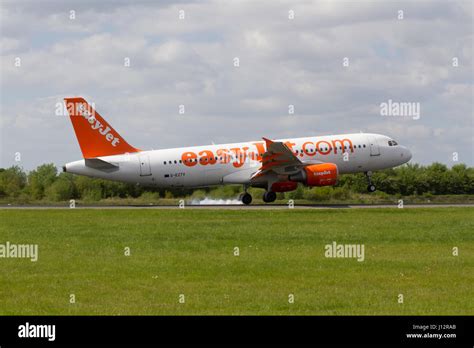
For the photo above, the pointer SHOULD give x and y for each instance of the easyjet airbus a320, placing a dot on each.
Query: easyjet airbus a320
(273, 165)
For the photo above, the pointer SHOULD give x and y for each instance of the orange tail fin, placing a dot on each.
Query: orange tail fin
(96, 137)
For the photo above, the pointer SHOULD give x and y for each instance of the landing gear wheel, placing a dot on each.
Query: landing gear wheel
(246, 198)
(371, 187)
(269, 197)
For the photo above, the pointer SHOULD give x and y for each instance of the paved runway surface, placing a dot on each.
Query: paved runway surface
(241, 206)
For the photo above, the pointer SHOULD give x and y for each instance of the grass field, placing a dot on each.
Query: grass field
(191, 252)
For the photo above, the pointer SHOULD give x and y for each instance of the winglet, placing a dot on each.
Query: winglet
(268, 142)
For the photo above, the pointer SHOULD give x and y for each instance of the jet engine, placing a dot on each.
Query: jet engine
(324, 174)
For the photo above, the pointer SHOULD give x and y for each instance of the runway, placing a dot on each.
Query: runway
(241, 206)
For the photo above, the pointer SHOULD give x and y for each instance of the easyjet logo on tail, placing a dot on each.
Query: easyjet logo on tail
(96, 136)
(82, 110)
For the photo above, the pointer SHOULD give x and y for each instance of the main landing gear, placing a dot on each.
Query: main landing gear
(246, 198)
(269, 197)
(371, 187)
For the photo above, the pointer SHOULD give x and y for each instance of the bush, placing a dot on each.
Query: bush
(91, 195)
(150, 197)
(12, 182)
(318, 193)
(223, 192)
(296, 194)
(40, 179)
(340, 193)
(61, 190)
(199, 195)
(88, 188)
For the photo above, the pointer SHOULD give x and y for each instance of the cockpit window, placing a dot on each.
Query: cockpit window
(392, 143)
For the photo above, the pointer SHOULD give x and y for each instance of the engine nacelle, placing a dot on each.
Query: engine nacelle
(324, 174)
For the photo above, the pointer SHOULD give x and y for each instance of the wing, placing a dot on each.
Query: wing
(278, 159)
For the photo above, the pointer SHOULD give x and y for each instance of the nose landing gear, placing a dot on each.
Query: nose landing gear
(245, 197)
(371, 187)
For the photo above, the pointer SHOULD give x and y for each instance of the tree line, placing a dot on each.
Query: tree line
(45, 183)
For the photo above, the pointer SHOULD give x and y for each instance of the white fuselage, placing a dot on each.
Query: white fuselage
(236, 163)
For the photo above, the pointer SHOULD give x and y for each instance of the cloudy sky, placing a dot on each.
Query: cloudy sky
(289, 53)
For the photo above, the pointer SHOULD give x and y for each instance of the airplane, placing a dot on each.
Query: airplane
(273, 165)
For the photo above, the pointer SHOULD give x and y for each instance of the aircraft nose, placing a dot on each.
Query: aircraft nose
(406, 154)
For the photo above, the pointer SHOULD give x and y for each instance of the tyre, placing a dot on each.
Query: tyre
(269, 197)
(246, 198)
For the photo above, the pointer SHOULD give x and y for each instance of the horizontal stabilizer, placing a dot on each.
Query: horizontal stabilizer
(99, 164)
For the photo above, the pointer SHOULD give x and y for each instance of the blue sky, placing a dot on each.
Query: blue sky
(190, 61)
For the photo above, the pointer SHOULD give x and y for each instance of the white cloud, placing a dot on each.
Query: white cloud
(282, 62)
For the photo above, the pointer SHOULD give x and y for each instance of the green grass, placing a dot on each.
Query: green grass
(190, 252)
(149, 198)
